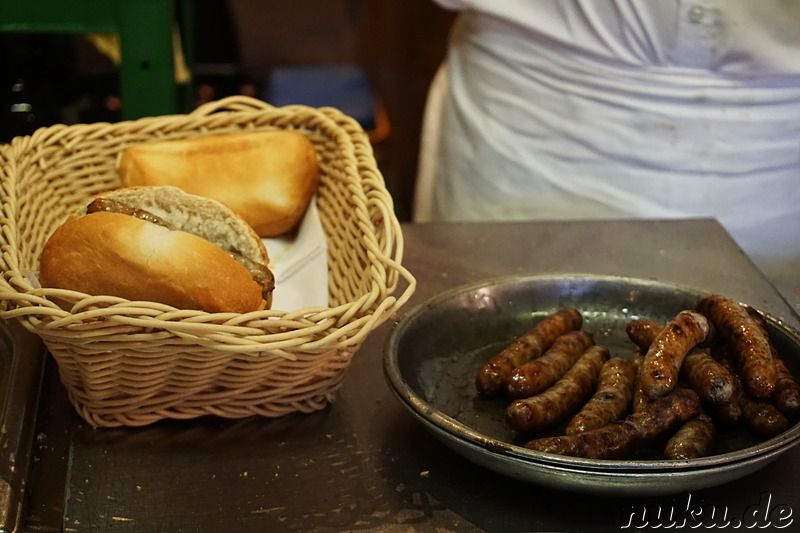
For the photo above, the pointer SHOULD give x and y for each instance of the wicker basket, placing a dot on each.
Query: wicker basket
(128, 363)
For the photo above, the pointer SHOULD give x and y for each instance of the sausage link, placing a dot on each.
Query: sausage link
(787, 391)
(642, 332)
(261, 273)
(763, 418)
(537, 375)
(695, 438)
(611, 400)
(705, 375)
(727, 414)
(709, 379)
(758, 415)
(564, 397)
(621, 438)
(113, 206)
(491, 378)
(786, 396)
(747, 340)
(615, 440)
(639, 399)
(662, 363)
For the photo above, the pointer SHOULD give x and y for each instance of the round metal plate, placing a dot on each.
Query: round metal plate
(434, 352)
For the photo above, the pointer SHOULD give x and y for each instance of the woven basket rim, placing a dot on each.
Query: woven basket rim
(347, 323)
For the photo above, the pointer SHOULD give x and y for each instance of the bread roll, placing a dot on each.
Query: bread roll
(109, 253)
(267, 177)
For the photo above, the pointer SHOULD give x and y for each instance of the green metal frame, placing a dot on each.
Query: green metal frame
(147, 69)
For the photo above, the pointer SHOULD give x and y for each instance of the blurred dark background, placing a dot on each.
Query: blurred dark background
(374, 59)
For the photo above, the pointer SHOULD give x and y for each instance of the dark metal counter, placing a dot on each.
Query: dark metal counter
(364, 464)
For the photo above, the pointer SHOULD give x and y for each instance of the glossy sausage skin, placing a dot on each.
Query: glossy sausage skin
(620, 439)
(703, 373)
(758, 415)
(642, 332)
(492, 377)
(694, 439)
(663, 360)
(726, 414)
(611, 400)
(537, 375)
(566, 396)
(747, 340)
(639, 399)
(786, 396)
(763, 418)
(711, 380)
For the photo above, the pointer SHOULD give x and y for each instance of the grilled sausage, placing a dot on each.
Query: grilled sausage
(726, 414)
(786, 396)
(621, 438)
(261, 274)
(747, 341)
(537, 375)
(758, 415)
(492, 377)
(763, 418)
(113, 206)
(639, 399)
(663, 360)
(611, 400)
(709, 379)
(695, 438)
(642, 332)
(564, 397)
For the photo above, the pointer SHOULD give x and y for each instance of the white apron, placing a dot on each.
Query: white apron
(570, 109)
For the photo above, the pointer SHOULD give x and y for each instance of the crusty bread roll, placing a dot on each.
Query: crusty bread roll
(188, 265)
(267, 177)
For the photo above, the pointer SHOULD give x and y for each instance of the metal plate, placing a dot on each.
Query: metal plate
(434, 352)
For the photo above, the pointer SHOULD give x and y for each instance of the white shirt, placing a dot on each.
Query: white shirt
(579, 109)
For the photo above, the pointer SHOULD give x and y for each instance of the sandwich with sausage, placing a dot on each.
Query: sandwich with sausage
(164, 245)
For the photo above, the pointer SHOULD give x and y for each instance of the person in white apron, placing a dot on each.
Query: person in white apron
(589, 109)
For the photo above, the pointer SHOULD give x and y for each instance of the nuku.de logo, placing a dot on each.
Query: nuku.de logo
(686, 513)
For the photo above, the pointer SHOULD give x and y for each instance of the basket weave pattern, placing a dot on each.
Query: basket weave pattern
(129, 363)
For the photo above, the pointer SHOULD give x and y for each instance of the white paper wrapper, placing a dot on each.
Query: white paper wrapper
(300, 265)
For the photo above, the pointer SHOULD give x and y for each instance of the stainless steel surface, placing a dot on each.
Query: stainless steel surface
(21, 365)
(434, 352)
(365, 463)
